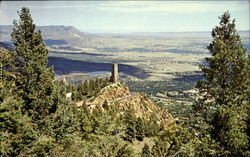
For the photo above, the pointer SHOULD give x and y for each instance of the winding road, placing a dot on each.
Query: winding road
(132, 95)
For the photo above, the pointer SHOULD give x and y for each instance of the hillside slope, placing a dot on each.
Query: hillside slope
(120, 96)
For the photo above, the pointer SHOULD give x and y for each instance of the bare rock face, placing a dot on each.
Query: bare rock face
(120, 96)
(144, 107)
(111, 93)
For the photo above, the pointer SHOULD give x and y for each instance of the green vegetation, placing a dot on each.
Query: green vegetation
(168, 95)
(86, 89)
(153, 87)
(225, 91)
(36, 119)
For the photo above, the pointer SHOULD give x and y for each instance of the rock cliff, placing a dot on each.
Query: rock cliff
(119, 95)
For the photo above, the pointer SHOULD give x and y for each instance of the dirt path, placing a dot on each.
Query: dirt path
(132, 95)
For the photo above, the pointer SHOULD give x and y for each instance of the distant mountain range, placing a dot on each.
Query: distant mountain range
(70, 36)
(54, 35)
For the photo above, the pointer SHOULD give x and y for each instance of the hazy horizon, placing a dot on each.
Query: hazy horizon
(209, 31)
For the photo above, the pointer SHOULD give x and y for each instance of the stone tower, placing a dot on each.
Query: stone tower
(114, 76)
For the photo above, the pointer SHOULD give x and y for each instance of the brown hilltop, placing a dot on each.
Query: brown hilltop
(120, 96)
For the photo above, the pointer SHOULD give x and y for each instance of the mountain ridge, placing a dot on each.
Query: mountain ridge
(49, 32)
(54, 35)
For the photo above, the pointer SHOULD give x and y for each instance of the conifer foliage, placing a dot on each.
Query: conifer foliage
(35, 82)
(227, 70)
(224, 90)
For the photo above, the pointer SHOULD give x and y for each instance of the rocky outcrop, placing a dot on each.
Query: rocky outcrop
(111, 93)
(120, 96)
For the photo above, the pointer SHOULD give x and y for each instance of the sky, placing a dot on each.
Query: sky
(129, 16)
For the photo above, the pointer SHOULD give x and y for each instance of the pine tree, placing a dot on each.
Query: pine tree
(225, 87)
(35, 82)
(7, 77)
(146, 151)
(16, 130)
(64, 123)
(140, 129)
(227, 70)
(105, 105)
(130, 122)
(85, 88)
(91, 87)
(97, 84)
(85, 122)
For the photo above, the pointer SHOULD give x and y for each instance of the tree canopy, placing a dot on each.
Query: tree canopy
(35, 82)
(225, 88)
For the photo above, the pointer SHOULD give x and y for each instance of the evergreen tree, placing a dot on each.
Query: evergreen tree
(85, 122)
(146, 151)
(97, 84)
(226, 72)
(31, 121)
(91, 87)
(35, 82)
(7, 77)
(85, 88)
(105, 105)
(16, 130)
(224, 90)
(130, 121)
(140, 129)
(63, 124)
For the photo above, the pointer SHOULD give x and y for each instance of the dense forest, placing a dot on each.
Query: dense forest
(36, 118)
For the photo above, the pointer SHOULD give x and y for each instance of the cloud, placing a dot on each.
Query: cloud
(49, 4)
(170, 6)
(133, 6)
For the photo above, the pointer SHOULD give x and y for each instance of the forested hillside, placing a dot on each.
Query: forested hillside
(36, 118)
